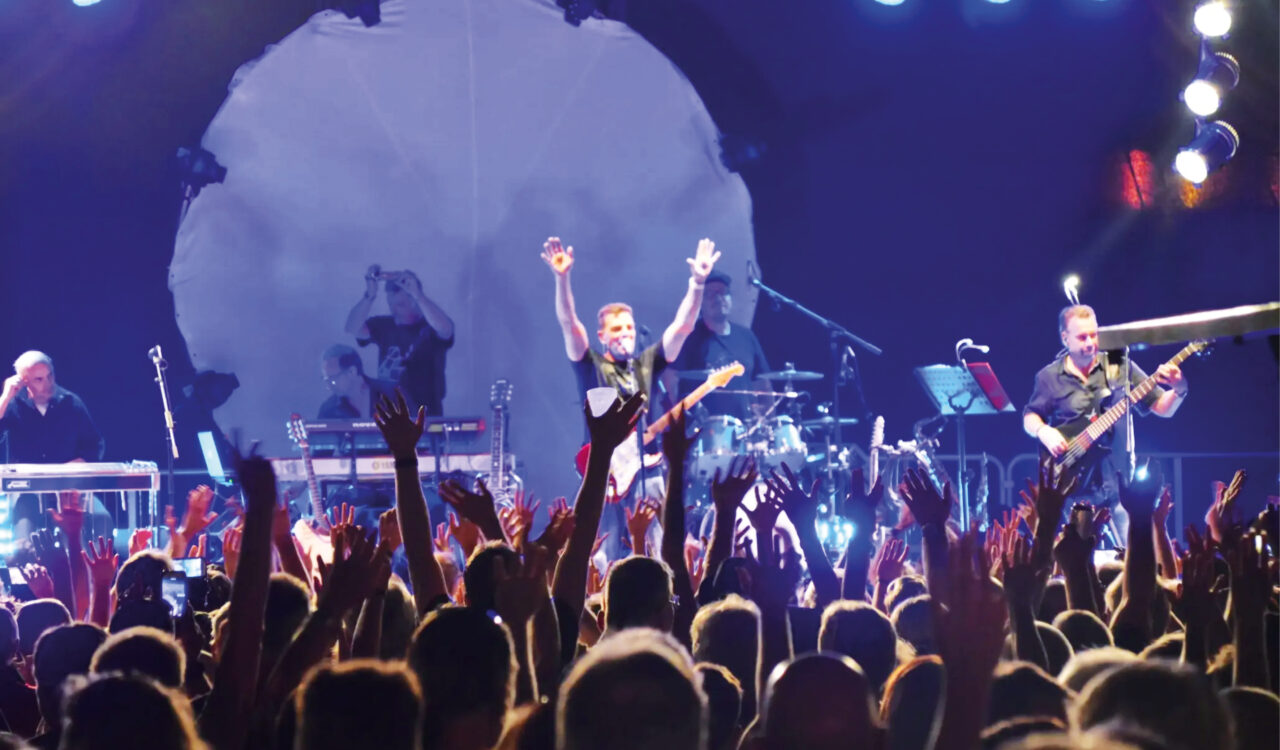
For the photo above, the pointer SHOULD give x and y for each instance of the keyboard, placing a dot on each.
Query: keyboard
(86, 477)
(382, 467)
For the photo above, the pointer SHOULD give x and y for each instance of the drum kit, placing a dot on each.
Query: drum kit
(774, 433)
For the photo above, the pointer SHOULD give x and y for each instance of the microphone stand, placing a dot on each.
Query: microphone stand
(157, 359)
(838, 336)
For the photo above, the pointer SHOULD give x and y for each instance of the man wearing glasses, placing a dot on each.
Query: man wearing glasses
(353, 393)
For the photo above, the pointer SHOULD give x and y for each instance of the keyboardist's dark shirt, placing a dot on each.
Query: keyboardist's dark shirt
(63, 433)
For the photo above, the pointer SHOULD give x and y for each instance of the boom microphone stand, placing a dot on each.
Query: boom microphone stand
(840, 338)
(157, 359)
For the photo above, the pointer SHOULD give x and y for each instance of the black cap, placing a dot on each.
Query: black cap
(720, 276)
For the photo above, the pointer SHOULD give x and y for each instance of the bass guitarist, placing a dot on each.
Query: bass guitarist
(1078, 386)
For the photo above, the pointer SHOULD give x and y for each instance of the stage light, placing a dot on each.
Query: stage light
(997, 2)
(890, 2)
(1213, 145)
(1218, 74)
(1212, 19)
(1071, 288)
(1142, 472)
(85, 3)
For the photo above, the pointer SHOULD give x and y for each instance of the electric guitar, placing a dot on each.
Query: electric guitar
(313, 533)
(498, 481)
(873, 453)
(1083, 433)
(625, 463)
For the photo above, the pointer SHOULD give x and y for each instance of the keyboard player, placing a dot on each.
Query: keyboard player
(46, 424)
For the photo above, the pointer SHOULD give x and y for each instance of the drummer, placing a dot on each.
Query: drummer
(716, 342)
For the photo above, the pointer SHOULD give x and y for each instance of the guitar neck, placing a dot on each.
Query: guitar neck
(496, 480)
(1138, 392)
(313, 486)
(660, 424)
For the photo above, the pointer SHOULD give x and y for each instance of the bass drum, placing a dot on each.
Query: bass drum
(781, 444)
(718, 441)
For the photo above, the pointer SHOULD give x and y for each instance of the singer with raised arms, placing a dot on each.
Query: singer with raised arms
(619, 366)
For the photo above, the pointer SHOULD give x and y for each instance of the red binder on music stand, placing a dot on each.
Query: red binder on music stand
(960, 391)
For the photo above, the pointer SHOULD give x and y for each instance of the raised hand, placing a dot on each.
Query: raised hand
(801, 507)
(349, 581)
(257, 483)
(560, 524)
(101, 562)
(38, 580)
(441, 539)
(613, 426)
(1023, 577)
(889, 561)
(476, 506)
(727, 491)
(926, 504)
(520, 514)
(197, 517)
(139, 540)
(558, 257)
(69, 515)
(1137, 498)
(344, 518)
(595, 547)
(675, 441)
(1049, 495)
(860, 506)
(703, 260)
(520, 588)
(764, 517)
(389, 530)
(466, 532)
(1163, 506)
(231, 541)
(399, 428)
(695, 562)
(639, 521)
(1195, 595)
(201, 548)
(49, 555)
(1223, 517)
(371, 282)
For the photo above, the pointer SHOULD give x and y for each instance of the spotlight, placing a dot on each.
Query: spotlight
(890, 2)
(1213, 145)
(1071, 288)
(84, 3)
(1218, 74)
(1212, 19)
(1142, 472)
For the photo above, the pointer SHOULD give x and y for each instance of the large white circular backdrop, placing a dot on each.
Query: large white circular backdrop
(450, 139)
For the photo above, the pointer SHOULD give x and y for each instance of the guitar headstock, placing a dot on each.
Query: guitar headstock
(1200, 348)
(297, 429)
(721, 376)
(500, 393)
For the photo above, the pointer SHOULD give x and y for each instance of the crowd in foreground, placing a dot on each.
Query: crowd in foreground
(1012, 639)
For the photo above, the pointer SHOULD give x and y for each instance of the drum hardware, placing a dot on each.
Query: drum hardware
(790, 373)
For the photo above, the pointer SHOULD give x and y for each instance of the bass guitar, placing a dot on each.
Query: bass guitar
(1084, 453)
(625, 464)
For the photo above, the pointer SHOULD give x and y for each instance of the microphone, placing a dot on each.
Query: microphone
(753, 273)
(157, 357)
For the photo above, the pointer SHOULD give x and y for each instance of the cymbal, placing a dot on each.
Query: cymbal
(790, 374)
(822, 422)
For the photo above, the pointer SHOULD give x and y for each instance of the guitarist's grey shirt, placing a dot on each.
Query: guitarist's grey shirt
(1059, 397)
(637, 374)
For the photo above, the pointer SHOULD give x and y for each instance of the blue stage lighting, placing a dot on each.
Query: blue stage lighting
(1214, 144)
(890, 2)
(85, 3)
(1218, 74)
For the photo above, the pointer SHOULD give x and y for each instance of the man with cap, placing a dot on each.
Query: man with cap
(716, 342)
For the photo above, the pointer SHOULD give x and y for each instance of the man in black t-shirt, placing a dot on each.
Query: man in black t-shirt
(46, 424)
(715, 342)
(412, 341)
(619, 366)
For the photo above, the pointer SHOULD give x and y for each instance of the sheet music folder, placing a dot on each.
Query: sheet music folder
(969, 389)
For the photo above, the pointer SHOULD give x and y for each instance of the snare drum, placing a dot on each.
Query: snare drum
(719, 441)
(782, 444)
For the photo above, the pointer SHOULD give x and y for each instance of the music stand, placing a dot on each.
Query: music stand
(960, 391)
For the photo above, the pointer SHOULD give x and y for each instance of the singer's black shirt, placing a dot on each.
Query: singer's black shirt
(595, 370)
(63, 433)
